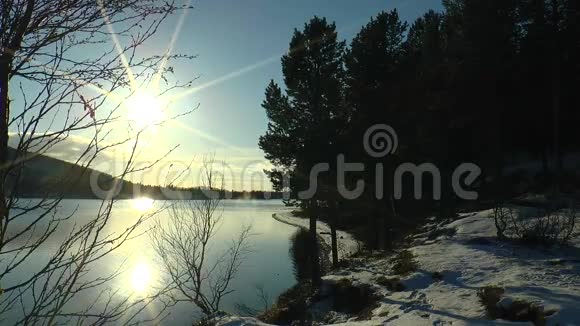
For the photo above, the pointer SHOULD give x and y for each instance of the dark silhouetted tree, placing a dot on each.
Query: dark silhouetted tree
(306, 123)
(373, 65)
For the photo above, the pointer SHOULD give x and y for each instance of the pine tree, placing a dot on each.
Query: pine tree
(305, 124)
(373, 87)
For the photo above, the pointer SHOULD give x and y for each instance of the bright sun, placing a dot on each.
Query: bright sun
(141, 277)
(145, 109)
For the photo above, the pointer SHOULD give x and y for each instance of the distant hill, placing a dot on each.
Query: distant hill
(45, 176)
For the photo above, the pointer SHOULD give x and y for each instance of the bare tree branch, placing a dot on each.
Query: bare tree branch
(182, 241)
(62, 94)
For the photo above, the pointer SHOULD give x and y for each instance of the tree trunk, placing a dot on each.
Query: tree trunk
(4, 110)
(556, 124)
(556, 98)
(313, 212)
(545, 164)
(334, 242)
(447, 209)
(381, 226)
(390, 213)
(4, 114)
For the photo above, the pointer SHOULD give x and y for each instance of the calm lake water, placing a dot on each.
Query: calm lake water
(268, 265)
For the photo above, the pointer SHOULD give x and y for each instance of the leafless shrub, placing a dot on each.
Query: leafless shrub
(264, 303)
(512, 310)
(404, 263)
(355, 299)
(183, 240)
(68, 66)
(291, 306)
(392, 284)
(489, 296)
(537, 226)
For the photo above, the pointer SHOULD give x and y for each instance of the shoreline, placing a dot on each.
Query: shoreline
(347, 244)
(324, 247)
(277, 218)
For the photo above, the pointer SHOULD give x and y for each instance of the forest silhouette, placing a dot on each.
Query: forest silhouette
(493, 83)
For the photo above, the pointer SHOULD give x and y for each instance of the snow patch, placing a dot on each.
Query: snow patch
(464, 256)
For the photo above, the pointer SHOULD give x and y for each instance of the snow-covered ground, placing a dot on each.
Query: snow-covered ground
(469, 257)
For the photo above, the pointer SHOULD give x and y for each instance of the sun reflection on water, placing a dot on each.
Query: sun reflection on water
(143, 204)
(141, 277)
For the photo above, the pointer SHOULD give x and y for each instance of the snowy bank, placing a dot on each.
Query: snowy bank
(454, 261)
(467, 256)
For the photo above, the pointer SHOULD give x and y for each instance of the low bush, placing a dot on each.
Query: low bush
(404, 263)
(489, 297)
(437, 276)
(299, 213)
(301, 253)
(537, 226)
(392, 284)
(521, 310)
(291, 306)
(353, 299)
(205, 321)
(516, 310)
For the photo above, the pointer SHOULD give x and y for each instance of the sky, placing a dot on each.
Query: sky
(229, 36)
(238, 45)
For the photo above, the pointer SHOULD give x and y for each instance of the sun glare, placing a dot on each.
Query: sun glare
(143, 204)
(145, 109)
(141, 277)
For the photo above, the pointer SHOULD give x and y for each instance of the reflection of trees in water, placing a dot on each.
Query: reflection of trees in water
(301, 254)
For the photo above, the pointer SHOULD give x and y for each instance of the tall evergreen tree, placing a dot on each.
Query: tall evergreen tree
(481, 52)
(483, 82)
(306, 123)
(373, 88)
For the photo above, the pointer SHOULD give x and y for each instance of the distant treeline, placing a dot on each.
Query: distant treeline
(42, 176)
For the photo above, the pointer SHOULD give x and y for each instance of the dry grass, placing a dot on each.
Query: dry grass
(404, 263)
(358, 300)
(518, 310)
(291, 306)
(539, 227)
(489, 296)
(205, 321)
(392, 284)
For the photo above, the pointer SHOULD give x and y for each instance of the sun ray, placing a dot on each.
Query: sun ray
(244, 70)
(174, 37)
(205, 136)
(118, 46)
(227, 77)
